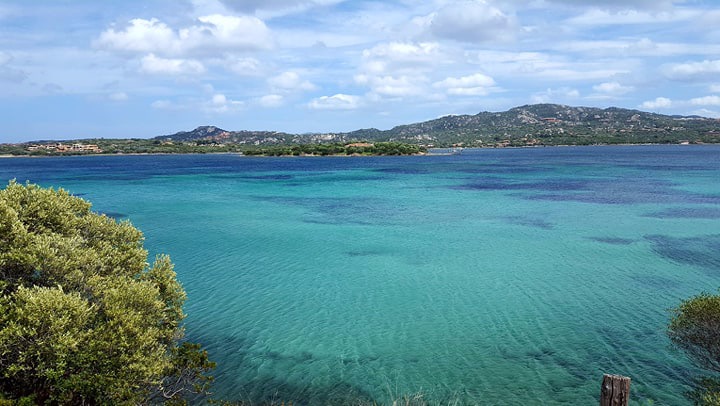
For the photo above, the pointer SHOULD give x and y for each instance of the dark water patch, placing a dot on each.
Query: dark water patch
(613, 240)
(581, 198)
(403, 170)
(340, 177)
(501, 169)
(670, 167)
(541, 354)
(260, 174)
(577, 369)
(315, 179)
(628, 196)
(366, 253)
(529, 222)
(302, 357)
(360, 178)
(615, 191)
(131, 176)
(542, 185)
(268, 177)
(507, 354)
(276, 390)
(654, 281)
(703, 252)
(487, 184)
(334, 210)
(677, 373)
(643, 336)
(687, 212)
(224, 176)
(336, 221)
(610, 191)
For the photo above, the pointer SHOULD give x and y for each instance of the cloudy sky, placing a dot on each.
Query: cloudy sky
(132, 68)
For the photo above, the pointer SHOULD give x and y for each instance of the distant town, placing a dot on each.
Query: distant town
(64, 148)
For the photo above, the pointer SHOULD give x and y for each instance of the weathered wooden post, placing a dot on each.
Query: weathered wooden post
(615, 390)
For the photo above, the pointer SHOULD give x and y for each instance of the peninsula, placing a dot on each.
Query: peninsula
(524, 126)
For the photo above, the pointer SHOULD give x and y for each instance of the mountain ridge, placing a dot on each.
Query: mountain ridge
(534, 124)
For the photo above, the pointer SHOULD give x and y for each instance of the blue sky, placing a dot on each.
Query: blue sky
(78, 69)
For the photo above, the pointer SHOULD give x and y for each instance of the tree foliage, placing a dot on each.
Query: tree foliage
(378, 148)
(695, 328)
(84, 319)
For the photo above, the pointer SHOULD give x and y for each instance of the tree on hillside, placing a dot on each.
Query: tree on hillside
(695, 328)
(83, 318)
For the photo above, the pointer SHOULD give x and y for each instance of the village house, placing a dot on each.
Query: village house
(60, 147)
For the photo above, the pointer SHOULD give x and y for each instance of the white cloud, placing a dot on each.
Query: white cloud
(556, 95)
(337, 102)
(394, 86)
(707, 113)
(613, 88)
(622, 4)
(214, 33)
(715, 88)
(7, 72)
(276, 7)
(271, 100)
(397, 69)
(473, 85)
(546, 66)
(290, 81)
(229, 32)
(162, 104)
(219, 103)
(471, 21)
(242, 66)
(633, 48)
(216, 103)
(219, 99)
(658, 103)
(595, 17)
(4, 58)
(118, 96)
(706, 101)
(140, 36)
(575, 72)
(154, 65)
(402, 53)
(695, 70)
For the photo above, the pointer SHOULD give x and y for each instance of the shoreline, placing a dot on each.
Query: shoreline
(429, 153)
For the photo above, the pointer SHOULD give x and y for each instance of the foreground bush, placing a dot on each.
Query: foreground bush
(83, 318)
(695, 328)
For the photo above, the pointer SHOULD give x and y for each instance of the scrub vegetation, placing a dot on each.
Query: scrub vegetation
(695, 329)
(84, 319)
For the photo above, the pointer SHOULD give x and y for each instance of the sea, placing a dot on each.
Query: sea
(491, 277)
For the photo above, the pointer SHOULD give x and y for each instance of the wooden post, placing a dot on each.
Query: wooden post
(615, 390)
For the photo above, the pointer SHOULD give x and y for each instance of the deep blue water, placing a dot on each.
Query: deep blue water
(512, 276)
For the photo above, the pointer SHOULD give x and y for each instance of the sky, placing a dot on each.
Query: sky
(120, 69)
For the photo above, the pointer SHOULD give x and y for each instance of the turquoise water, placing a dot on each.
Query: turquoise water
(514, 276)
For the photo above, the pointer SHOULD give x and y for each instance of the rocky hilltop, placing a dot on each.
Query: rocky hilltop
(539, 124)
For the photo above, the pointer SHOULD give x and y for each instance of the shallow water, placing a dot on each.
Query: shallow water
(515, 276)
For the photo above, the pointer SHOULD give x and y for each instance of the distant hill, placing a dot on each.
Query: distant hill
(538, 124)
(212, 133)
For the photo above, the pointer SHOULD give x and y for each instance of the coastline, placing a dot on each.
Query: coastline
(429, 153)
